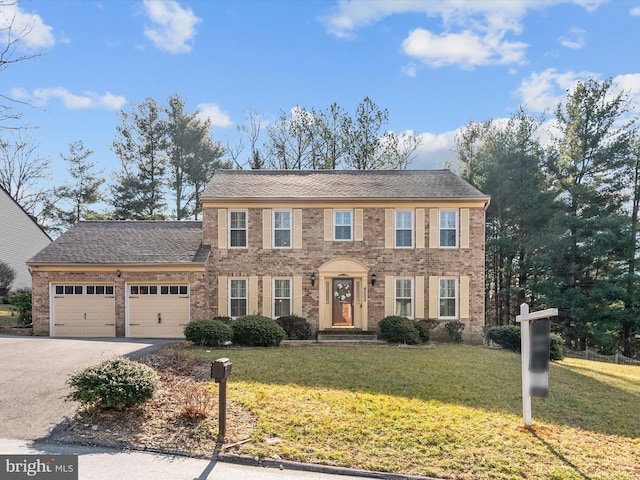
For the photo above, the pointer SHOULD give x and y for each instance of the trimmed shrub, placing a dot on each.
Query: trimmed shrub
(114, 383)
(454, 329)
(424, 329)
(212, 333)
(297, 328)
(555, 349)
(395, 329)
(507, 336)
(257, 331)
(21, 299)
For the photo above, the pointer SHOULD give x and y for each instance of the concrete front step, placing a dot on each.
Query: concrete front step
(347, 337)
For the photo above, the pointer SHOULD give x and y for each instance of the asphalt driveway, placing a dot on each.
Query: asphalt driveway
(33, 372)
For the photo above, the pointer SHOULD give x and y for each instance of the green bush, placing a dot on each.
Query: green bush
(297, 328)
(257, 331)
(21, 299)
(507, 336)
(395, 329)
(114, 383)
(454, 329)
(424, 329)
(555, 349)
(212, 333)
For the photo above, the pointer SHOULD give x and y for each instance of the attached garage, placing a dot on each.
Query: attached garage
(83, 310)
(157, 310)
(142, 279)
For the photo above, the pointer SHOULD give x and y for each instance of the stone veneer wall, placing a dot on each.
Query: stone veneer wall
(371, 252)
(199, 300)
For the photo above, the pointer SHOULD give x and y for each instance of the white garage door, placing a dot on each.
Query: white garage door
(157, 310)
(84, 310)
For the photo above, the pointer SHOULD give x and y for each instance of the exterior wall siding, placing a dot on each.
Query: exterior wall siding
(20, 242)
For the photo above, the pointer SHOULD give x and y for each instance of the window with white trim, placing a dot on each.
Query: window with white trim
(282, 229)
(448, 228)
(238, 229)
(403, 297)
(342, 225)
(448, 298)
(281, 297)
(404, 229)
(238, 298)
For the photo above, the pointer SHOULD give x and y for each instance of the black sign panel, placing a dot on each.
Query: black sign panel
(539, 341)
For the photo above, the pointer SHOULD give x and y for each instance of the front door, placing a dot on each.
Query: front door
(342, 302)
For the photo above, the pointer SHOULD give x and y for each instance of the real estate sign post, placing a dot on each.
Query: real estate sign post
(534, 338)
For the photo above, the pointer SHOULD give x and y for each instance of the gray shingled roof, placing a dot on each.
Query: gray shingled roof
(127, 242)
(339, 184)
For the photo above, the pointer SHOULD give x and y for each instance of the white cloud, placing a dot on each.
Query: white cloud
(473, 33)
(545, 90)
(435, 150)
(173, 27)
(29, 28)
(575, 39)
(467, 49)
(88, 100)
(211, 111)
(635, 11)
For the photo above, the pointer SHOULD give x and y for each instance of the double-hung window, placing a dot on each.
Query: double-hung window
(404, 297)
(447, 298)
(448, 228)
(238, 298)
(281, 297)
(238, 229)
(404, 229)
(342, 225)
(282, 229)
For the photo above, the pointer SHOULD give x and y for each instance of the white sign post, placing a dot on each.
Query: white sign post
(537, 380)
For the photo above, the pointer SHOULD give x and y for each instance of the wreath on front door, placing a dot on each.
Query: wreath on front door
(342, 292)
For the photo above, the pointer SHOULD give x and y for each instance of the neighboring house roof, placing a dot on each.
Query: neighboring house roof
(20, 238)
(339, 184)
(127, 242)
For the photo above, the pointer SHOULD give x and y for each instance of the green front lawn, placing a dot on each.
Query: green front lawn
(448, 412)
(6, 319)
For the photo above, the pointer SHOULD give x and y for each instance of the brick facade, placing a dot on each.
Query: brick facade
(199, 300)
(371, 251)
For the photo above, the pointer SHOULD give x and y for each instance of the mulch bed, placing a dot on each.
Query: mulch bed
(182, 416)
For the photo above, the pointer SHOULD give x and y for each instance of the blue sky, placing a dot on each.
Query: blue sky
(435, 65)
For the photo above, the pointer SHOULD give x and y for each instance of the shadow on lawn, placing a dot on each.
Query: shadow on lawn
(473, 377)
(558, 455)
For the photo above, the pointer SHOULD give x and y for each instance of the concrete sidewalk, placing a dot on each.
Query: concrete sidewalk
(106, 464)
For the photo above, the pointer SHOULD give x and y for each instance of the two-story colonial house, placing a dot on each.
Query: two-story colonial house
(342, 249)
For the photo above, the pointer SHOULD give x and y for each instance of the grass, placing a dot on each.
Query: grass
(6, 319)
(448, 412)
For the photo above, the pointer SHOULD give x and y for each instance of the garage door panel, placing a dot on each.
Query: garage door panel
(143, 314)
(84, 316)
